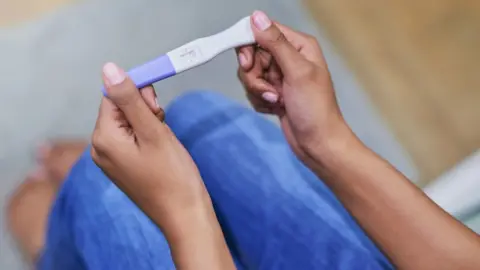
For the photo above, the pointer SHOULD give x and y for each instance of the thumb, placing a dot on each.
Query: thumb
(269, 37)
(123, 93)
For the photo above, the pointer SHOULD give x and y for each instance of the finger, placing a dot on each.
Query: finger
(124, 94)
(258, 104)
(255, 84)
(106, 126)
(245, 56)
(304, 43)
(262, 106)
(110, 117)
(274, 76)
(264, 64)
(150, 97)
(160, 115)
(265, 58)
(108, 112)
(297, 39)
(269, 36)
(271, 71)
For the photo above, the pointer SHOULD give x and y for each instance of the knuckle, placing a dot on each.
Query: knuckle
(279, 39)
(125, 93)
(249, 85)
(155, 135)
(127, 98)
(99, 142)
(95, 156)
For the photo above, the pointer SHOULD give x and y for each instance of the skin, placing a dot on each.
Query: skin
(410, 229)
(144, 159)
(29, 206)
(286, 75)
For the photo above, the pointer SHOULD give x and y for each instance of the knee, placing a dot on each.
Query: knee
(195, 103)
(196, 108)
(86, 181)
(88, 194)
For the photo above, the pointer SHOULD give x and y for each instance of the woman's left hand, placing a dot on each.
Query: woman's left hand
(141, 155)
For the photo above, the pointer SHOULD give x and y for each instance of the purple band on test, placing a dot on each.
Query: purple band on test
(151, 72)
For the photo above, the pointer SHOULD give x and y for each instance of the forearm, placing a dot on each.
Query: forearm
(193, 233)
(412, 230)
(197, 242)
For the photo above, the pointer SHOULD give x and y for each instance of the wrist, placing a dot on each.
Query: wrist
(328, 149)
(189, 223)
(169, 209)
(195, 238)
(181, 219)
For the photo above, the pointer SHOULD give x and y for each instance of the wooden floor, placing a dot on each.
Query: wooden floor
(420, 63)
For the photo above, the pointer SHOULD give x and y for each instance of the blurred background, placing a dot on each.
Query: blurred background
(406, 75)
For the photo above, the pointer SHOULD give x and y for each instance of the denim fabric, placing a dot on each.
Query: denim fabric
(274, 212)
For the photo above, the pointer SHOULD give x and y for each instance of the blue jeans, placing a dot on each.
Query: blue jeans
(274, 212)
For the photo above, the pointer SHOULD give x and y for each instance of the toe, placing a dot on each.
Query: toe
(43, 151)
(59, 157)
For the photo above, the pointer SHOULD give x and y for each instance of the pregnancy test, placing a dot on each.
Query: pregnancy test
(193, 54)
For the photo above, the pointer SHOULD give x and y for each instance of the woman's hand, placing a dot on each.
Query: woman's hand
(143, 157)
(140, 153)
(286, 75)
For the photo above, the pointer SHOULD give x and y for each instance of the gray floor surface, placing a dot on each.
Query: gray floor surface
(50, 74)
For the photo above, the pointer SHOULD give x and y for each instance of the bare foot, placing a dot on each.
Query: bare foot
(29, 206)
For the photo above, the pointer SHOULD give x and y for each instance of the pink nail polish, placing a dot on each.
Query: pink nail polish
(270, 97)
(113, 74)
(242, 59)
(261, 21)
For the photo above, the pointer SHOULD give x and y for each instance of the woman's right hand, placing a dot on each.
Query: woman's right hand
(286, 75)
(144, 158)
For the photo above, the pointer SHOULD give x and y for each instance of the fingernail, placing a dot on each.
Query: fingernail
(242, 59)
(270, 97)
(261, 21)
(113, 74)
(157, 104)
